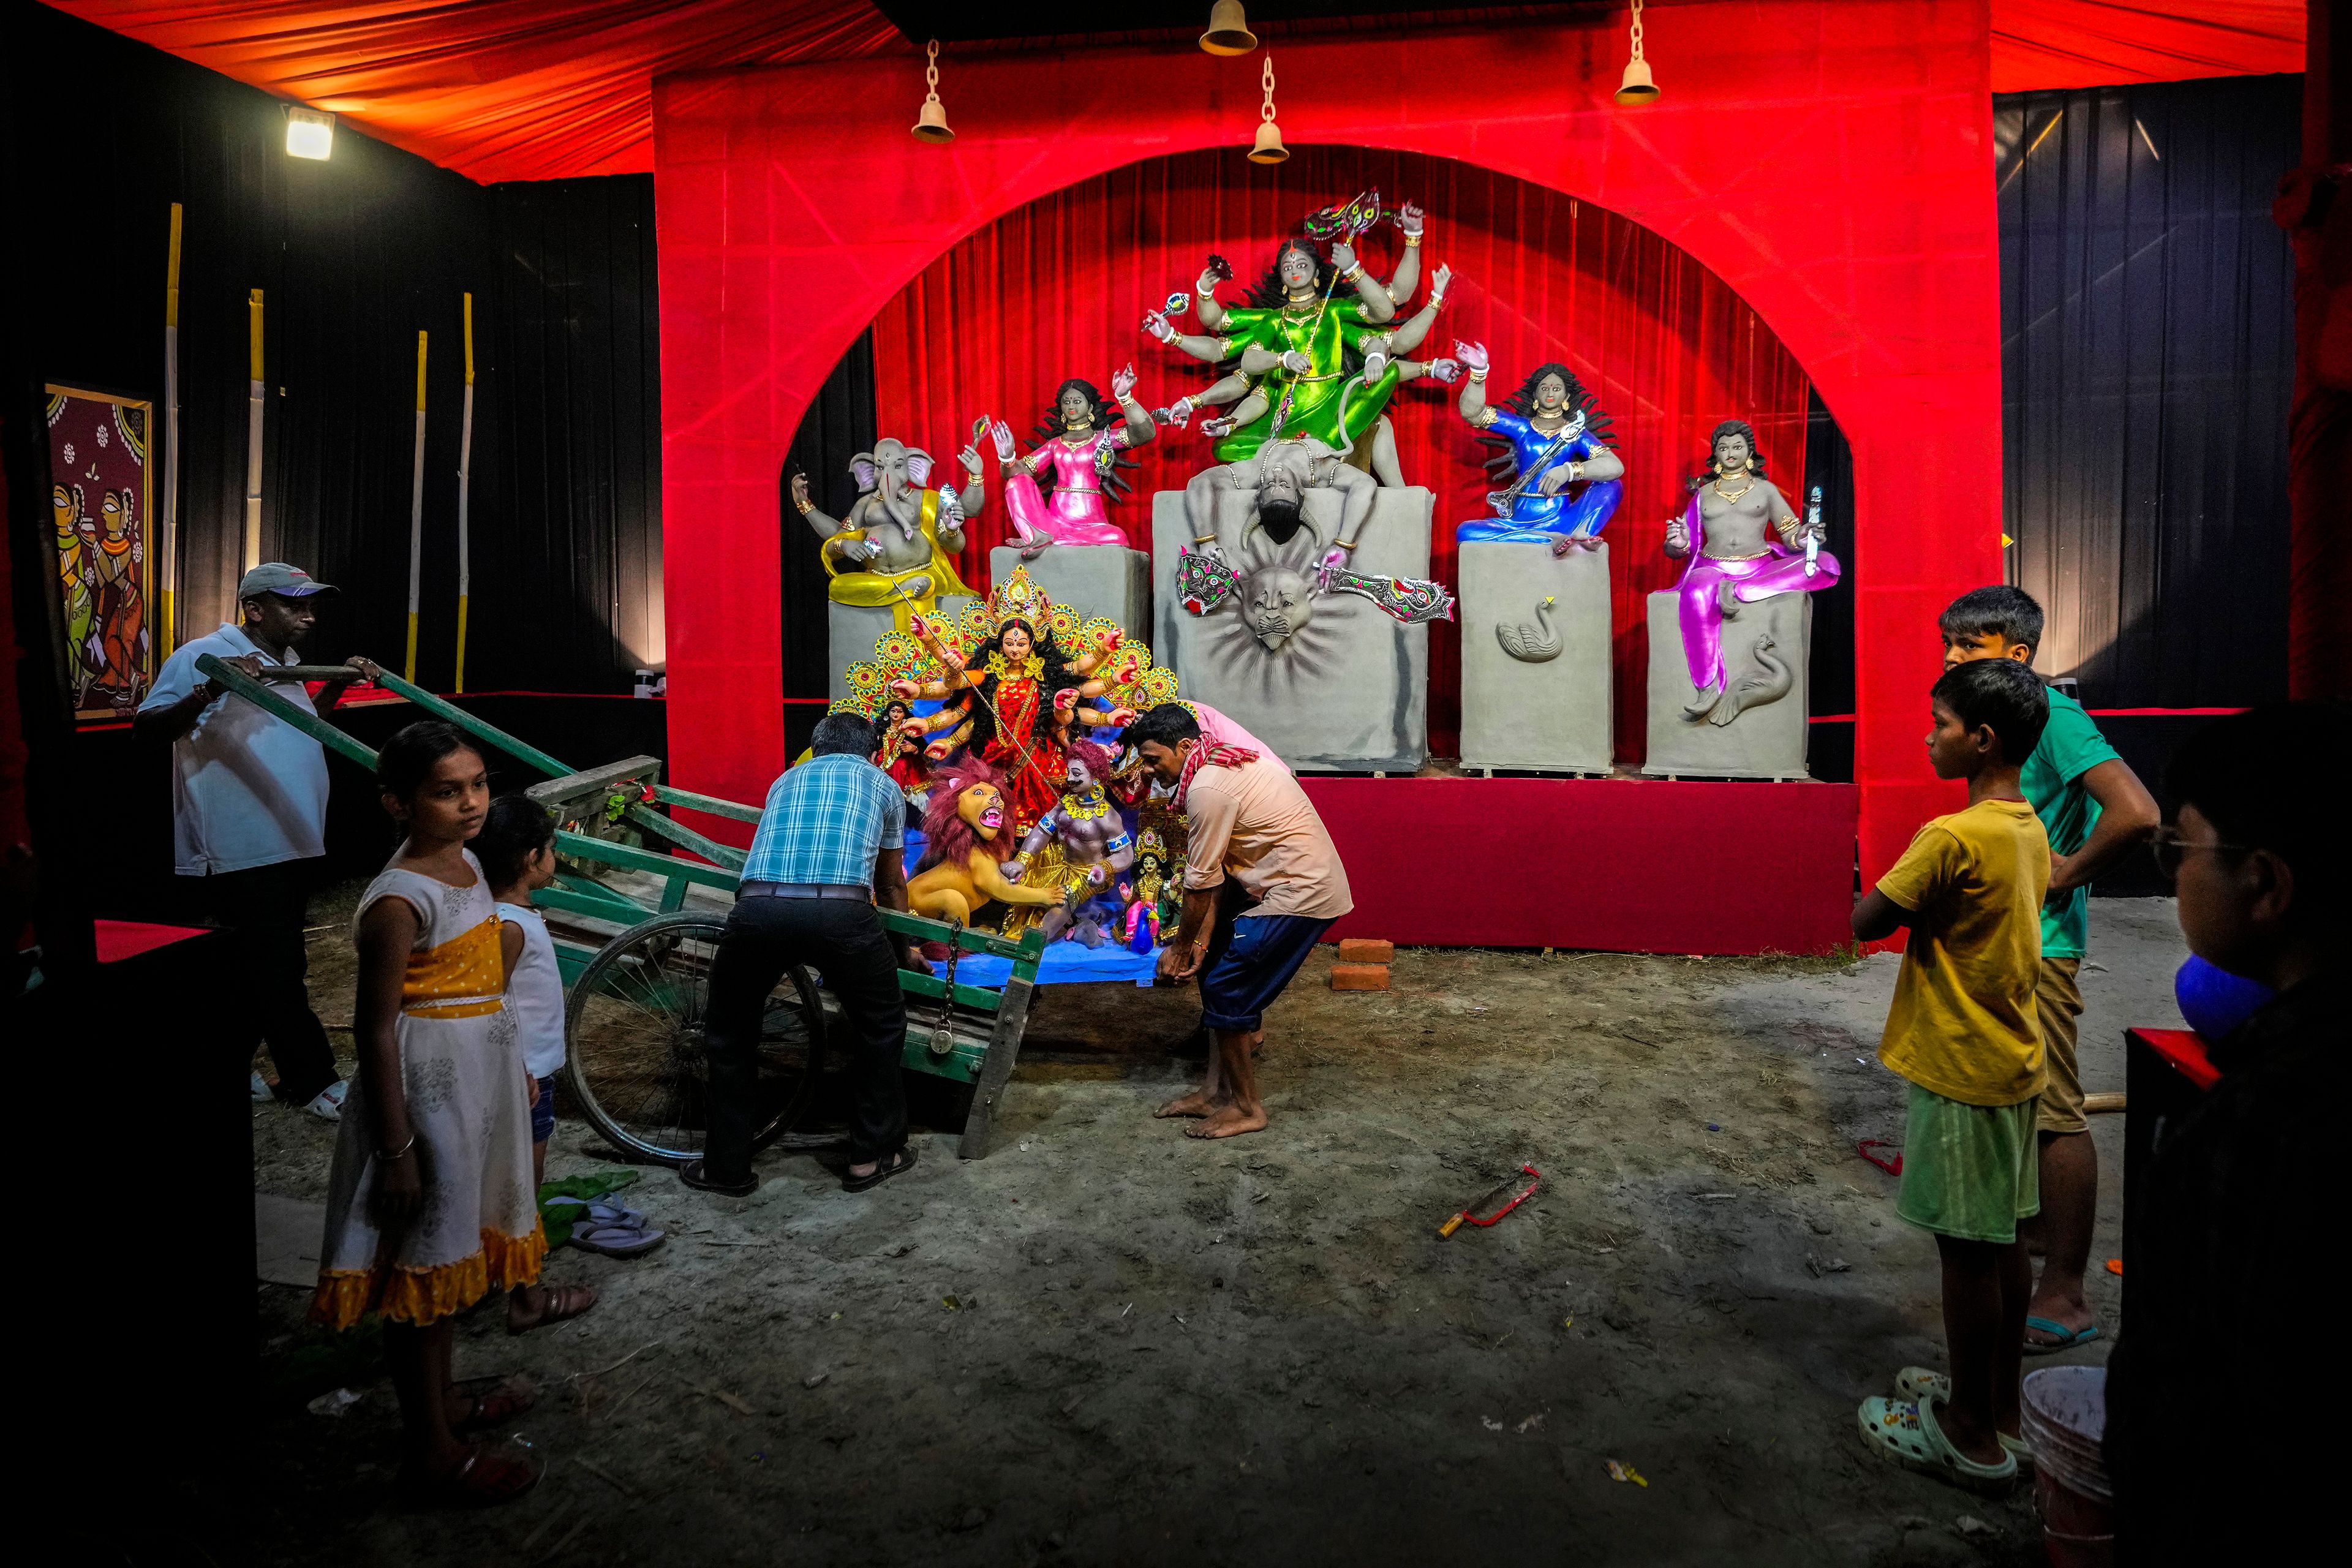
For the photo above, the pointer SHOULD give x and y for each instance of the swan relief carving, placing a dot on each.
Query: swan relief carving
(1531, 643)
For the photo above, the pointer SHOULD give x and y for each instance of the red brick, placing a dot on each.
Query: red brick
(1367, 950)
(1359, 977)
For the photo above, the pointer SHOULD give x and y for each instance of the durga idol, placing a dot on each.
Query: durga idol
(1013, 703)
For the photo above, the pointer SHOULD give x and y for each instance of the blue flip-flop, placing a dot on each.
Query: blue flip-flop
(2067, 1340)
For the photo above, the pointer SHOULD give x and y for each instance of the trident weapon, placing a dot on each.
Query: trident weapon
(1813, 532)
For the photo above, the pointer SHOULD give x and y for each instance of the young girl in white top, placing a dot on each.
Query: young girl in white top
(517, 849)
(431, 1204)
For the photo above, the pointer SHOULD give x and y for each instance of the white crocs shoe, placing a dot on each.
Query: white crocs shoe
(329, 1105)
(262, 1093)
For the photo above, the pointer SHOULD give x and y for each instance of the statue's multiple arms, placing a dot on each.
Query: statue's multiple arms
(1205, 296)
(1407, 337)
(854, 552)
(1410, 220)
(1209, 350)
(1378, 307)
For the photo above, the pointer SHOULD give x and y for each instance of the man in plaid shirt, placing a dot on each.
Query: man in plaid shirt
(830, 848)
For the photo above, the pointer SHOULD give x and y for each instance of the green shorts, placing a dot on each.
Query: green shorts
(1969, 1172)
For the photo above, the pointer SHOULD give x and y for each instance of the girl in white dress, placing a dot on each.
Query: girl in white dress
(432, 1205)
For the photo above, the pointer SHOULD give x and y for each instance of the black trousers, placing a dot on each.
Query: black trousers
(845, 942)
(266, 908)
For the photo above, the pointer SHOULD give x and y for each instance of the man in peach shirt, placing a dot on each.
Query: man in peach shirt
(1261, 884)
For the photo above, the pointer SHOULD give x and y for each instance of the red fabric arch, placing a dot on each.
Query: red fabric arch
(1056, 288)
(1828, 161)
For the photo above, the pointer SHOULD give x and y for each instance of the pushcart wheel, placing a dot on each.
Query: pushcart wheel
(634, 1024)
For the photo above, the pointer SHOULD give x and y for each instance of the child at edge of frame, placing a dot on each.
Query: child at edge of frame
(1963, 1029)
(517, 849)
(430, 1206)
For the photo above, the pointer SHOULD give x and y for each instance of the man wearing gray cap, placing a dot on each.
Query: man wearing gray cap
(250, 817)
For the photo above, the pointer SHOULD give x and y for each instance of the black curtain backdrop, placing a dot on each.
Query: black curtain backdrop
(354, 257)
(2147, 356)
(838, 424)
(567, 559)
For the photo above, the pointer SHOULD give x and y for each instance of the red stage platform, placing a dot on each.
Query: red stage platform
(1623, 865)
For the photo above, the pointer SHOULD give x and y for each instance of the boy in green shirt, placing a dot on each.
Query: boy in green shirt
(2095, 811)
(1962, 1028)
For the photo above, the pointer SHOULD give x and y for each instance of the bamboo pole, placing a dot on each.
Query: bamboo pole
(254, 391)
(465, 479)
(167, 561)
(415, 516)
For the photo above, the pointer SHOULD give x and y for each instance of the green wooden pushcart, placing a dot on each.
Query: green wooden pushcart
(637, 909)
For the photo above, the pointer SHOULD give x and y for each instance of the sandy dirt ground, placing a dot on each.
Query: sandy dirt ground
(1106, 1344)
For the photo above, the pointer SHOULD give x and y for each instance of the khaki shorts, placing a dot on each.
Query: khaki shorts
(2059, 1002)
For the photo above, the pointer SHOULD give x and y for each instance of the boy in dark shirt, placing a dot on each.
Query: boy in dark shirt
(2209, 1443)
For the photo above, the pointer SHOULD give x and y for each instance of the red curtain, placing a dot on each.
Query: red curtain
(1058, 288)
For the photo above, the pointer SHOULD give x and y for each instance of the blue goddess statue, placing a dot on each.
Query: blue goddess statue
(1563, 478)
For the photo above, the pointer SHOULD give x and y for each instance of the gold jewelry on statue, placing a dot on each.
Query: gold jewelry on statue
(1757, 555)
(1345, 544)
(1731, 495)
(806, 506)
(1576, 473)
(1477, 375)
(1411, 239)
(1355, 270)
(1208, 293)
(1205, 539)
(1086, 807)
(1030, 668)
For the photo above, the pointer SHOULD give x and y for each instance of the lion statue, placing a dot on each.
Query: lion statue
(958, 871)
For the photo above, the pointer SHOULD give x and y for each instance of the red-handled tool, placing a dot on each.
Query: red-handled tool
(1467, 1216)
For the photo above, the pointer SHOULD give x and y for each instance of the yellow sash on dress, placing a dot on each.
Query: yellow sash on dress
(871, 590)
(462, 978)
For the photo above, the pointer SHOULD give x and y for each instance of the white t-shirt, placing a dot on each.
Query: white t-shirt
(535, 993)
(248, 788)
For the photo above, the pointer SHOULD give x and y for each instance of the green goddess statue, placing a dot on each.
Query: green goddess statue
(1318, 351)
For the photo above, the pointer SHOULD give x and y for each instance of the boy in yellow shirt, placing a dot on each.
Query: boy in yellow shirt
(1962, 1027)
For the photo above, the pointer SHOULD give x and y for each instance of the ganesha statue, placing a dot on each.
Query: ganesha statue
(894, 554)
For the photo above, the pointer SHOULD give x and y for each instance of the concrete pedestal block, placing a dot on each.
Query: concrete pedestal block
(1766, 740)
(852, 632)
(1348, 689)
(1534, 658)
(1105, 579)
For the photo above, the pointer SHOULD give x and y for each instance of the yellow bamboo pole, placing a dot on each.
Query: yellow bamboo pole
(465, 476)
(167, 553)
(254, 392)
(415, 516)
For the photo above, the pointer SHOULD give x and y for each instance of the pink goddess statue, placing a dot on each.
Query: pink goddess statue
(1078, 460)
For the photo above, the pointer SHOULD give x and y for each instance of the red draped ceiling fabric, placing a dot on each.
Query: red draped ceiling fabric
(1830, 162)
(1058, 289)
(537, 90)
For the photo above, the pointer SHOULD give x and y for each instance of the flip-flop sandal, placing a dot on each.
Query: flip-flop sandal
(1907, 1433)
(1916, 1383)
(557, 1304)
(889, 1166)
(491, 1402)
(595, 1214)
(492, 1474)
(2067, 1340)
(614, 1240)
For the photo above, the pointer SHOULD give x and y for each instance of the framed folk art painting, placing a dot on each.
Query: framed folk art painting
(105, 547)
